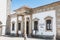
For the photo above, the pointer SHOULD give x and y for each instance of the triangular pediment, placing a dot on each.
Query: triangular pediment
(23, 8)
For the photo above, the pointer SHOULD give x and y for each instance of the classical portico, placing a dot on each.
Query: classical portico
(26, 23)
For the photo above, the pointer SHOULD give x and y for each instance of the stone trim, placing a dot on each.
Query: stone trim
(49, 18)
(35, 19)
(48, 7)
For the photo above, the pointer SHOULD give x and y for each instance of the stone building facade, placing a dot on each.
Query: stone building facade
(43, 20)
(26, 21)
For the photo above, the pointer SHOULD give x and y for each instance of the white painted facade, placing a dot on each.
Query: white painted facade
(41, 22)
(41, 16)
(23, 15)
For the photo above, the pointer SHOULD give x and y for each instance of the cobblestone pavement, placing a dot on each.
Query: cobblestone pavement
(19, 38)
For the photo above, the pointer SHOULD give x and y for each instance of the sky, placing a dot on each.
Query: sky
(30, 3)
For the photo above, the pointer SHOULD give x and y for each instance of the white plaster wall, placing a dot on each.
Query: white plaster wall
(41, 16)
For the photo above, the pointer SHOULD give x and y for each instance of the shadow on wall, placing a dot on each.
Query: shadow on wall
(8, 25)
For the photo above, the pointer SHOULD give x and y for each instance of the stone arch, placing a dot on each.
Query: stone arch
(13, 21)
(35, 19)
(48, 17)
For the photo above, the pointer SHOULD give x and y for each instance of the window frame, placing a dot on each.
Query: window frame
(35, 26)
(35, 19)
(49, 26)
(49, 18)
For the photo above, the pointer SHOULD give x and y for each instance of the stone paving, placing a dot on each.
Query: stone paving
(19, 38)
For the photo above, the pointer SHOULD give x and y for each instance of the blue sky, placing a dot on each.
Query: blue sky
(31, 3)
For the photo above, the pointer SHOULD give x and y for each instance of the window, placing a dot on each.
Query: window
(49, 22)
(48, 25)
(35, 25)
(13, 25)
(19, 26)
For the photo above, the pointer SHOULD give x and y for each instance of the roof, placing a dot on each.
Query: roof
(48, 5)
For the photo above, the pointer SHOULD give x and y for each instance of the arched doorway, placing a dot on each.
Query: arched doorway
(27, 28)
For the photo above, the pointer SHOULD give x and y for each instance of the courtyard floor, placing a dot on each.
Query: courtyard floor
(19, 38)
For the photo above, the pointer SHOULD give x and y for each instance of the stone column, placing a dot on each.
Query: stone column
(25, 35)
(22, 29)
(17, 26)
(30, 26)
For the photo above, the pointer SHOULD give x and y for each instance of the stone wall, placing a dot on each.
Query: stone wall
(58, 21)
(54, 6)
